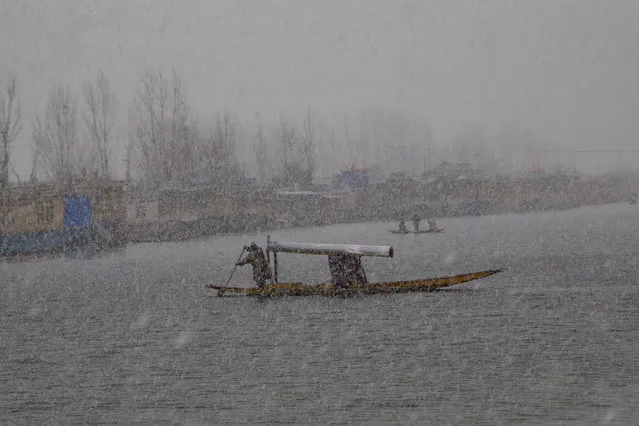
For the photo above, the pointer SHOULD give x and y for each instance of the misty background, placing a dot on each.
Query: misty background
(509, 84)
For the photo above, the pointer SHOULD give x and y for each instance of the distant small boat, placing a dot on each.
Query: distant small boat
(426, 231)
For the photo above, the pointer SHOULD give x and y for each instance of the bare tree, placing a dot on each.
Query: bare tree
(187, 141)
(162, 130)
(99, 120)
(518, 148)
(359, 131)
(471, 146)
(287, 139)
(33, 176)
(292, 167)
(10, 125)
(219, 150)
(325, 155)
(128, 158)
(55, 137)
(260, 149)
(308, 148)
(349, 141)
(299, 155)
(331, 158)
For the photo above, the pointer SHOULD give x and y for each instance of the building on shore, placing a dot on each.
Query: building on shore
(45, 218)
(179, 213)
(307, 208)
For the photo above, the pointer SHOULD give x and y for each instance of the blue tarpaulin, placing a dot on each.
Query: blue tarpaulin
(77, 212)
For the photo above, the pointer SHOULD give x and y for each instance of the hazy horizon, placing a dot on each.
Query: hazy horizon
(560, 73)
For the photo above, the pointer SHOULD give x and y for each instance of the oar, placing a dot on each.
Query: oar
(221, 291)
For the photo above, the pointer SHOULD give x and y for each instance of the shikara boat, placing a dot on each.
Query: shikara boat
(277, 289)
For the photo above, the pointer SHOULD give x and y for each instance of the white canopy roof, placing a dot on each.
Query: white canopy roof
(326, 249)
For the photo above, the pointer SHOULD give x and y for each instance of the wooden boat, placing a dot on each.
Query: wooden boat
(425, 231)
(299, 289)
(276, 289)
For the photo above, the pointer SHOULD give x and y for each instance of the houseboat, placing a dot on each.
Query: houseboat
(46, 218)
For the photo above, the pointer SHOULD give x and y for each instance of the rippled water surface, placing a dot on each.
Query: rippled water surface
(134, 337)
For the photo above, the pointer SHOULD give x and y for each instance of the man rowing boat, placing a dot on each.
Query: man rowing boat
(261, 269)
(416, 220)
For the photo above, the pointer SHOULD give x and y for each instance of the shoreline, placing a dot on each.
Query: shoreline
(176, 231)
(81, 254)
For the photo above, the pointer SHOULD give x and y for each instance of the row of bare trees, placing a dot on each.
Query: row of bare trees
(167, 143)
(164, 142)
(68, 141)
(162, 130)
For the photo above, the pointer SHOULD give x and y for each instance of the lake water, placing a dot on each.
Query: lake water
(134, 336)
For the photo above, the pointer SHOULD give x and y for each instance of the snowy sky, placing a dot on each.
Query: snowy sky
(564, 70)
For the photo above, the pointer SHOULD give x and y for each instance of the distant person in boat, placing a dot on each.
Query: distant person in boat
(416, 220)
(402, 227)
(346, 270)
(432, 225)
(261, 269)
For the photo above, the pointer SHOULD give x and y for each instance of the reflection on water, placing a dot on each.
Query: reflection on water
(134, 337)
